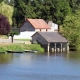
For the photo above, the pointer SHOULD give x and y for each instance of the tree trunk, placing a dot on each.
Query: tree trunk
(12, 39)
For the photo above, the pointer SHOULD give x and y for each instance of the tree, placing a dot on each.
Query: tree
(19, 11)
(61, 10)
(48, 10)
(11, 2)
(6, 10)
(1, 1)
(74, 4)
(4, 25)
(71, 29)
(14, 31)
(55, 10)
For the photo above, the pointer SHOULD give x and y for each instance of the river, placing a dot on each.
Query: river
(31, 66)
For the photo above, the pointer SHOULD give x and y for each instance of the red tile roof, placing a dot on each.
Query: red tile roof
(38, 23)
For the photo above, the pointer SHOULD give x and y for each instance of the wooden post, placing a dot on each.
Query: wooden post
(55, 47)
(48, 47)
(61, 47)
(67, 47)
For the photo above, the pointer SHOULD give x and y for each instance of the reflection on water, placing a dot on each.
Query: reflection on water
(5, 58)
(30, 66)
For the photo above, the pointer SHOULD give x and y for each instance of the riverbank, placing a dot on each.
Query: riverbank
(20, 47)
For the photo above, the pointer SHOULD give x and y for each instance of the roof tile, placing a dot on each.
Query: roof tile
(39, 23)
(53, 37)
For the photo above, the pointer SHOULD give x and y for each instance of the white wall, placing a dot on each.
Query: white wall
(54, 27)
(26, 30)
(42, 30)
(24, 35)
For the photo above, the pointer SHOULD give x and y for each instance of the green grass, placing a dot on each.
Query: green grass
(21, 47)
(23, 39)
(3, 37)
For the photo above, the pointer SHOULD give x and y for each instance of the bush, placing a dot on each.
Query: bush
(4, 25)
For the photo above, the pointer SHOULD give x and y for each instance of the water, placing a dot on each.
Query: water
(31, 66)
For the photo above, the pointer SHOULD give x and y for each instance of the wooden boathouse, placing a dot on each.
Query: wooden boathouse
(52, 41)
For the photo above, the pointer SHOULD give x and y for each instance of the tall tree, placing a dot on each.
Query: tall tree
(71, 29)
(74, 4)
(61, 10)
(6, 10)
(54, 10)
(1, 1)
(37, 8)
(19, 11)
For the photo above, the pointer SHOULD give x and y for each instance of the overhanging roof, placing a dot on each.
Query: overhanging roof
(52, 37)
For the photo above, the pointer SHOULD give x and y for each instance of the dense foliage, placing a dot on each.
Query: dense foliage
(47, 9)
(6, 10)
(4, 25)
(71, 29)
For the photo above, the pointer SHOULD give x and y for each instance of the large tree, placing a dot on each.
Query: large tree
(71, 29)
(55, 10)
(19, 11)
(4, 25)
(23, 9)
(60, 11)
(74, 4)
(6, 10)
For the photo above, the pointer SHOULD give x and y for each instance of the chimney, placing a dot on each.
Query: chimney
(50, 23)
(25, 19)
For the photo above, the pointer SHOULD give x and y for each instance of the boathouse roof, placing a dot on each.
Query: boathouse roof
(52, 36)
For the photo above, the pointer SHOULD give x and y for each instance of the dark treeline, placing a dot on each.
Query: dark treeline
(54, 10)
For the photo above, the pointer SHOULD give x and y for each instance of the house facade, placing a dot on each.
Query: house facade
(54, 27)
(30, 26)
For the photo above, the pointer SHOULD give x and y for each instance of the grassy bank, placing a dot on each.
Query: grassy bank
(20, 47)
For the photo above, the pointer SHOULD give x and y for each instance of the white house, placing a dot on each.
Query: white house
(54, 27)
(30, 26)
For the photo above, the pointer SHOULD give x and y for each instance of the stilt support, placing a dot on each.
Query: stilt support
(61, 47)
(48, 47)
(55, 47)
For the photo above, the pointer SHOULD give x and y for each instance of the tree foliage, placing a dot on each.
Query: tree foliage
(4, 25)
(71, 29)
(74, 4)
(19, 11)
(6, 10)
(61, 10)
(54, 10)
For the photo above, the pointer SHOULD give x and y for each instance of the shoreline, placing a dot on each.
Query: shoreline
(20, 47)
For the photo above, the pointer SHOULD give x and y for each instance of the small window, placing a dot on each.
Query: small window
(40, 29)
(46, 30)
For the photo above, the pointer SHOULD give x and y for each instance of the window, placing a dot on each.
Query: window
(40, 29)
(46, 30)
